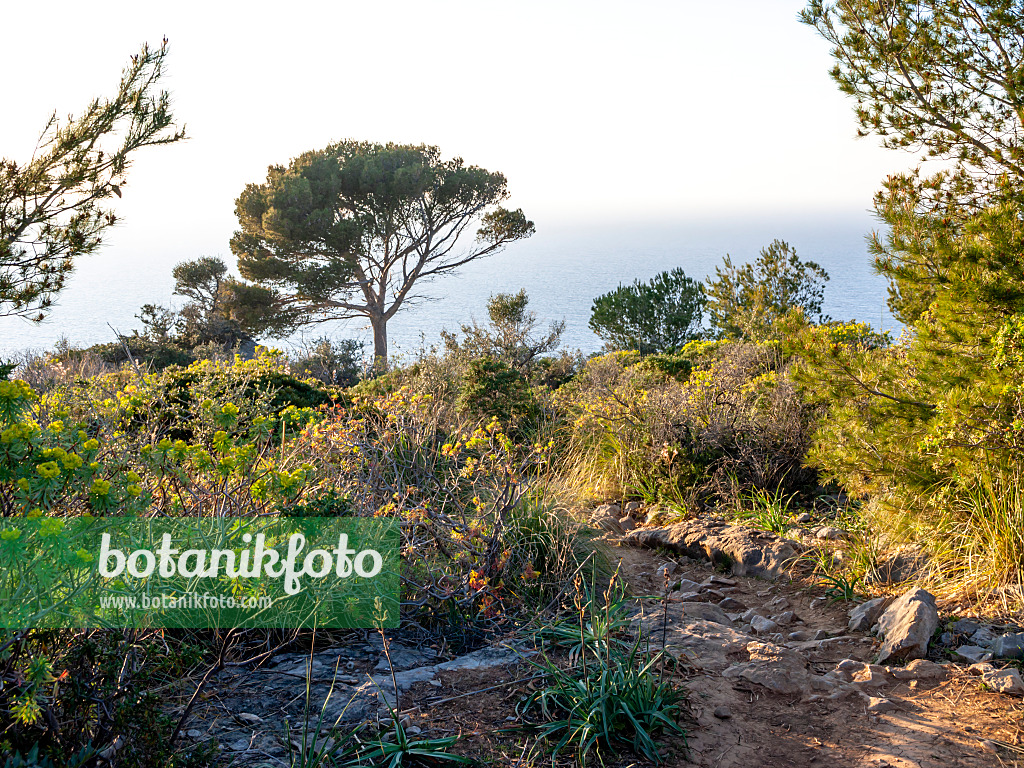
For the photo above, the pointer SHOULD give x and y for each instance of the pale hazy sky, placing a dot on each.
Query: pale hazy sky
(595, 111)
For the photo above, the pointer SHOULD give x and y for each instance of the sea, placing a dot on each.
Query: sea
(563, 267)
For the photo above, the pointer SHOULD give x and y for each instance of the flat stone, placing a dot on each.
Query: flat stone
(803, 517)
(731, 604)
(707, 612)
(752, 612)
(907, 626)
(627, 523)
(686, 585)
(973, 653)
(784, 619)
(1009, 646)
(778, 604)
(863, 616)
(745, 551)
(723, 712)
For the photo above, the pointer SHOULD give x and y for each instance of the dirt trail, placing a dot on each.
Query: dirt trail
(934, 723)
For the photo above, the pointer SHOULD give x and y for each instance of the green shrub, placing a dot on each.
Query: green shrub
(492, 389)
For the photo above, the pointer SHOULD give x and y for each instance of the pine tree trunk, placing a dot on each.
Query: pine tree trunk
(380, 343)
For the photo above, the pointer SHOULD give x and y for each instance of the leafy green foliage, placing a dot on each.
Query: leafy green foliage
(348, 231)
(511, 336)
(492, 389)
(53, 209)
(657, 316)
(748, 301)
(942, 76)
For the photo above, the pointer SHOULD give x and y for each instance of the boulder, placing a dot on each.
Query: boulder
(864, 616)
(907, 626)
(744, 551)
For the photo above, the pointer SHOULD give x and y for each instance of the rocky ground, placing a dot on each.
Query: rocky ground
(777, 674)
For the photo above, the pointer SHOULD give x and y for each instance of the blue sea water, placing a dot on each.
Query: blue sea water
(563, 268)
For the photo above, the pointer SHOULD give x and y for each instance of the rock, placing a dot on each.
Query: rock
(705, 645)
(982, 668)
(921, 669)
(817, 603)
(864, 616)
(784, 619)
(763, 626)
(780, 670)
(723, 712)
(964, 627)
(803, 517)
(1009, 646)
(907, 626)
(821, 634)
(745, 551)
(632, 507)
(194, 734)
(984, 637)
(1004, 681)
(692, 597)
(800, 636)
(778, 604)
(731, 604)
(716, 580)
(607, 510)
(627, 523)
(707, 612)
(870, 676)
(878, 706)
(898, 567)
(830, 533)
(751, 613)
(685, 585)
(973, 653)
(248, 718)
(666, 569)
(403, 657)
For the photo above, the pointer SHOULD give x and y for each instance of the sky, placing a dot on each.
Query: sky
(596, 112)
